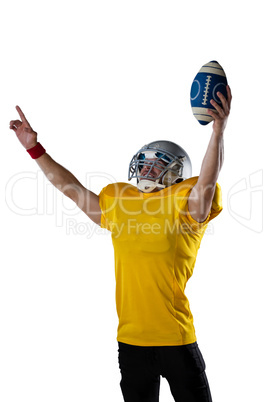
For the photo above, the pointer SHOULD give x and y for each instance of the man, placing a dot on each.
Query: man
(157, 228)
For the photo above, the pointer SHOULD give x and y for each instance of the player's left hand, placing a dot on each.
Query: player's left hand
(220, 115)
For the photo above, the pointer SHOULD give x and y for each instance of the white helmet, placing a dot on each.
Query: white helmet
(177, 166)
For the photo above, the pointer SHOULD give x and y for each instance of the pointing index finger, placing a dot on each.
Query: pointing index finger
(23, 118)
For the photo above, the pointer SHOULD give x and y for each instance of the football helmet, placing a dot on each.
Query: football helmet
(169, 158)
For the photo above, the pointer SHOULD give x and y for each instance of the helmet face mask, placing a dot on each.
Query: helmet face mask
(166, 158)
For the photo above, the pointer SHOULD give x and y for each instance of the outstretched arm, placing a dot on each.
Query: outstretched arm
(200, 199)
(60, 177)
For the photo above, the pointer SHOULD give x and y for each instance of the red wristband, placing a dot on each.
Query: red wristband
(36, 151)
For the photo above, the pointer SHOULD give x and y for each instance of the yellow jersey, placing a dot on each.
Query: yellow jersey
(155, 243)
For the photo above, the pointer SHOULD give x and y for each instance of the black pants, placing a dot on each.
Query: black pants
(182, 366)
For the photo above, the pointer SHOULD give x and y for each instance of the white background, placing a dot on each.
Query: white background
(97, 80)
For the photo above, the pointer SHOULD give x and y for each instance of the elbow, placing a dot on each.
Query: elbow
(72, 191)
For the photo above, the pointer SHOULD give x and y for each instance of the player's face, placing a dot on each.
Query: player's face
(155, 172)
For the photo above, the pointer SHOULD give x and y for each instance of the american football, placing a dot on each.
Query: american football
(208, 81)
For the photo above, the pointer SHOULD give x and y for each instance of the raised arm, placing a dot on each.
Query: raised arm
(60, 177)
(200, 199)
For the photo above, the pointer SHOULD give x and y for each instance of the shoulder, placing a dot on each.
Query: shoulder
(183, 192)
(185, 187)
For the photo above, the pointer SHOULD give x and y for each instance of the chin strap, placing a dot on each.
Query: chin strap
(146, 186)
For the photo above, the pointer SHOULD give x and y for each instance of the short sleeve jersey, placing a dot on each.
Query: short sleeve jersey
(155, 243)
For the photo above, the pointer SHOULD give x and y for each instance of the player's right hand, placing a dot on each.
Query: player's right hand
(23, 130)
